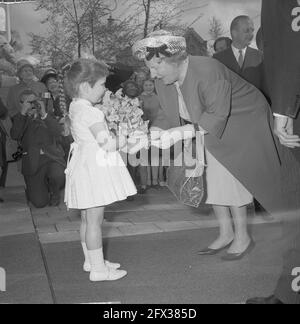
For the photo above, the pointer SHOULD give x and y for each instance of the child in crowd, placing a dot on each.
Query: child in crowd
(132, 91)
(96, 175)
(151, 107)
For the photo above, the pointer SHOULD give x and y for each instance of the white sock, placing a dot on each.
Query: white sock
(97, 260)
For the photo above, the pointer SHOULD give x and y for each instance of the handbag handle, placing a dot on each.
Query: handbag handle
(200, 151)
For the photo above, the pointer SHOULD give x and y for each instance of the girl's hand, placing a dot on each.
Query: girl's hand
(121, 141)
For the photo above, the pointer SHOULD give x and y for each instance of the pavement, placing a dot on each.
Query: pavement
(154, 237)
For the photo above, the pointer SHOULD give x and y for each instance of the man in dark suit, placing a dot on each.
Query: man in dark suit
(282, 66)
(3, 162)
(239, 57)
(43, 162)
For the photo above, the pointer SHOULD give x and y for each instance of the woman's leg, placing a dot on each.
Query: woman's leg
(241, 237)
(226, 230)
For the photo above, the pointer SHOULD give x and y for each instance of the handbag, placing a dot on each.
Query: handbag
(185, 182)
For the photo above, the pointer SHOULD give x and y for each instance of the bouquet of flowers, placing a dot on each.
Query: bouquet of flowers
(124, 115)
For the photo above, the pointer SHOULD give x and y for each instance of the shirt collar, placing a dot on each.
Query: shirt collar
(236, 51)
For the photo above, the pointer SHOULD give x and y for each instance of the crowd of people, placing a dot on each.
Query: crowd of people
(249, 121)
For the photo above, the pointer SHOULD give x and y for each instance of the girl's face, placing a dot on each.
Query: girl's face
(52, 85)
(148, 86)
(93, 94)
(131, 90)
(26, 73)
(140, 78)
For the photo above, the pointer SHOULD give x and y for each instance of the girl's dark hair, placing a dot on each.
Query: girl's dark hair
(84, 70)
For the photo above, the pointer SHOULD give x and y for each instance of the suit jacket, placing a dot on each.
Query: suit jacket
(252, 70)
(237, 118)
(36, 136)
(3, 114)
(281, 55)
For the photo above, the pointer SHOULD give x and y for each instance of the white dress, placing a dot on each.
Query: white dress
(94, 177)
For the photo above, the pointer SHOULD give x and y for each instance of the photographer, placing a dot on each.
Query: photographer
(42, 159)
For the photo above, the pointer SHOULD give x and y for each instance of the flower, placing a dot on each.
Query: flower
(123, 114)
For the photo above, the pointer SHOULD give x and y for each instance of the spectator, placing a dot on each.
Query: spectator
(25, 72)
(3, 163)
(240, 57)
(131, 90)
(42, 159)
(53, 104)
(119, 73)
(50, 79)
(151, 107)
(222, 43)
(139, 77)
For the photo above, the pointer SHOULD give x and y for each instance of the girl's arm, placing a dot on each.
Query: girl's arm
(105, 139)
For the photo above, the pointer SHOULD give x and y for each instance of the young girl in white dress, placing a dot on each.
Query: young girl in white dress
(96, 175)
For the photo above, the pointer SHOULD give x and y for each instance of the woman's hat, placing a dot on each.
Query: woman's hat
(159, 42)
(51, 73)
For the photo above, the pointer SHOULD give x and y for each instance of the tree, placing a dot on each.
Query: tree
(216, 28)
(150, 15)
(77, 26)
(78, 18)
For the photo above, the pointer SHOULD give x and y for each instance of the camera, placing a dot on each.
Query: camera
(18, 154)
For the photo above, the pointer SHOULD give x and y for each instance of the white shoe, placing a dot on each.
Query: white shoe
(109, 275)
(87, 266)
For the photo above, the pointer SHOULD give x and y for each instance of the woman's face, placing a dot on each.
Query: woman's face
(161, 69)
(148, 86)
(26, 73)
(52, 85)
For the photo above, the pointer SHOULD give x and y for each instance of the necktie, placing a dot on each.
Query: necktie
(241, 59)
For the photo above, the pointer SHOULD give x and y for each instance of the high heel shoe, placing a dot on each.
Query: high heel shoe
(209, 251)
(239, 256)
